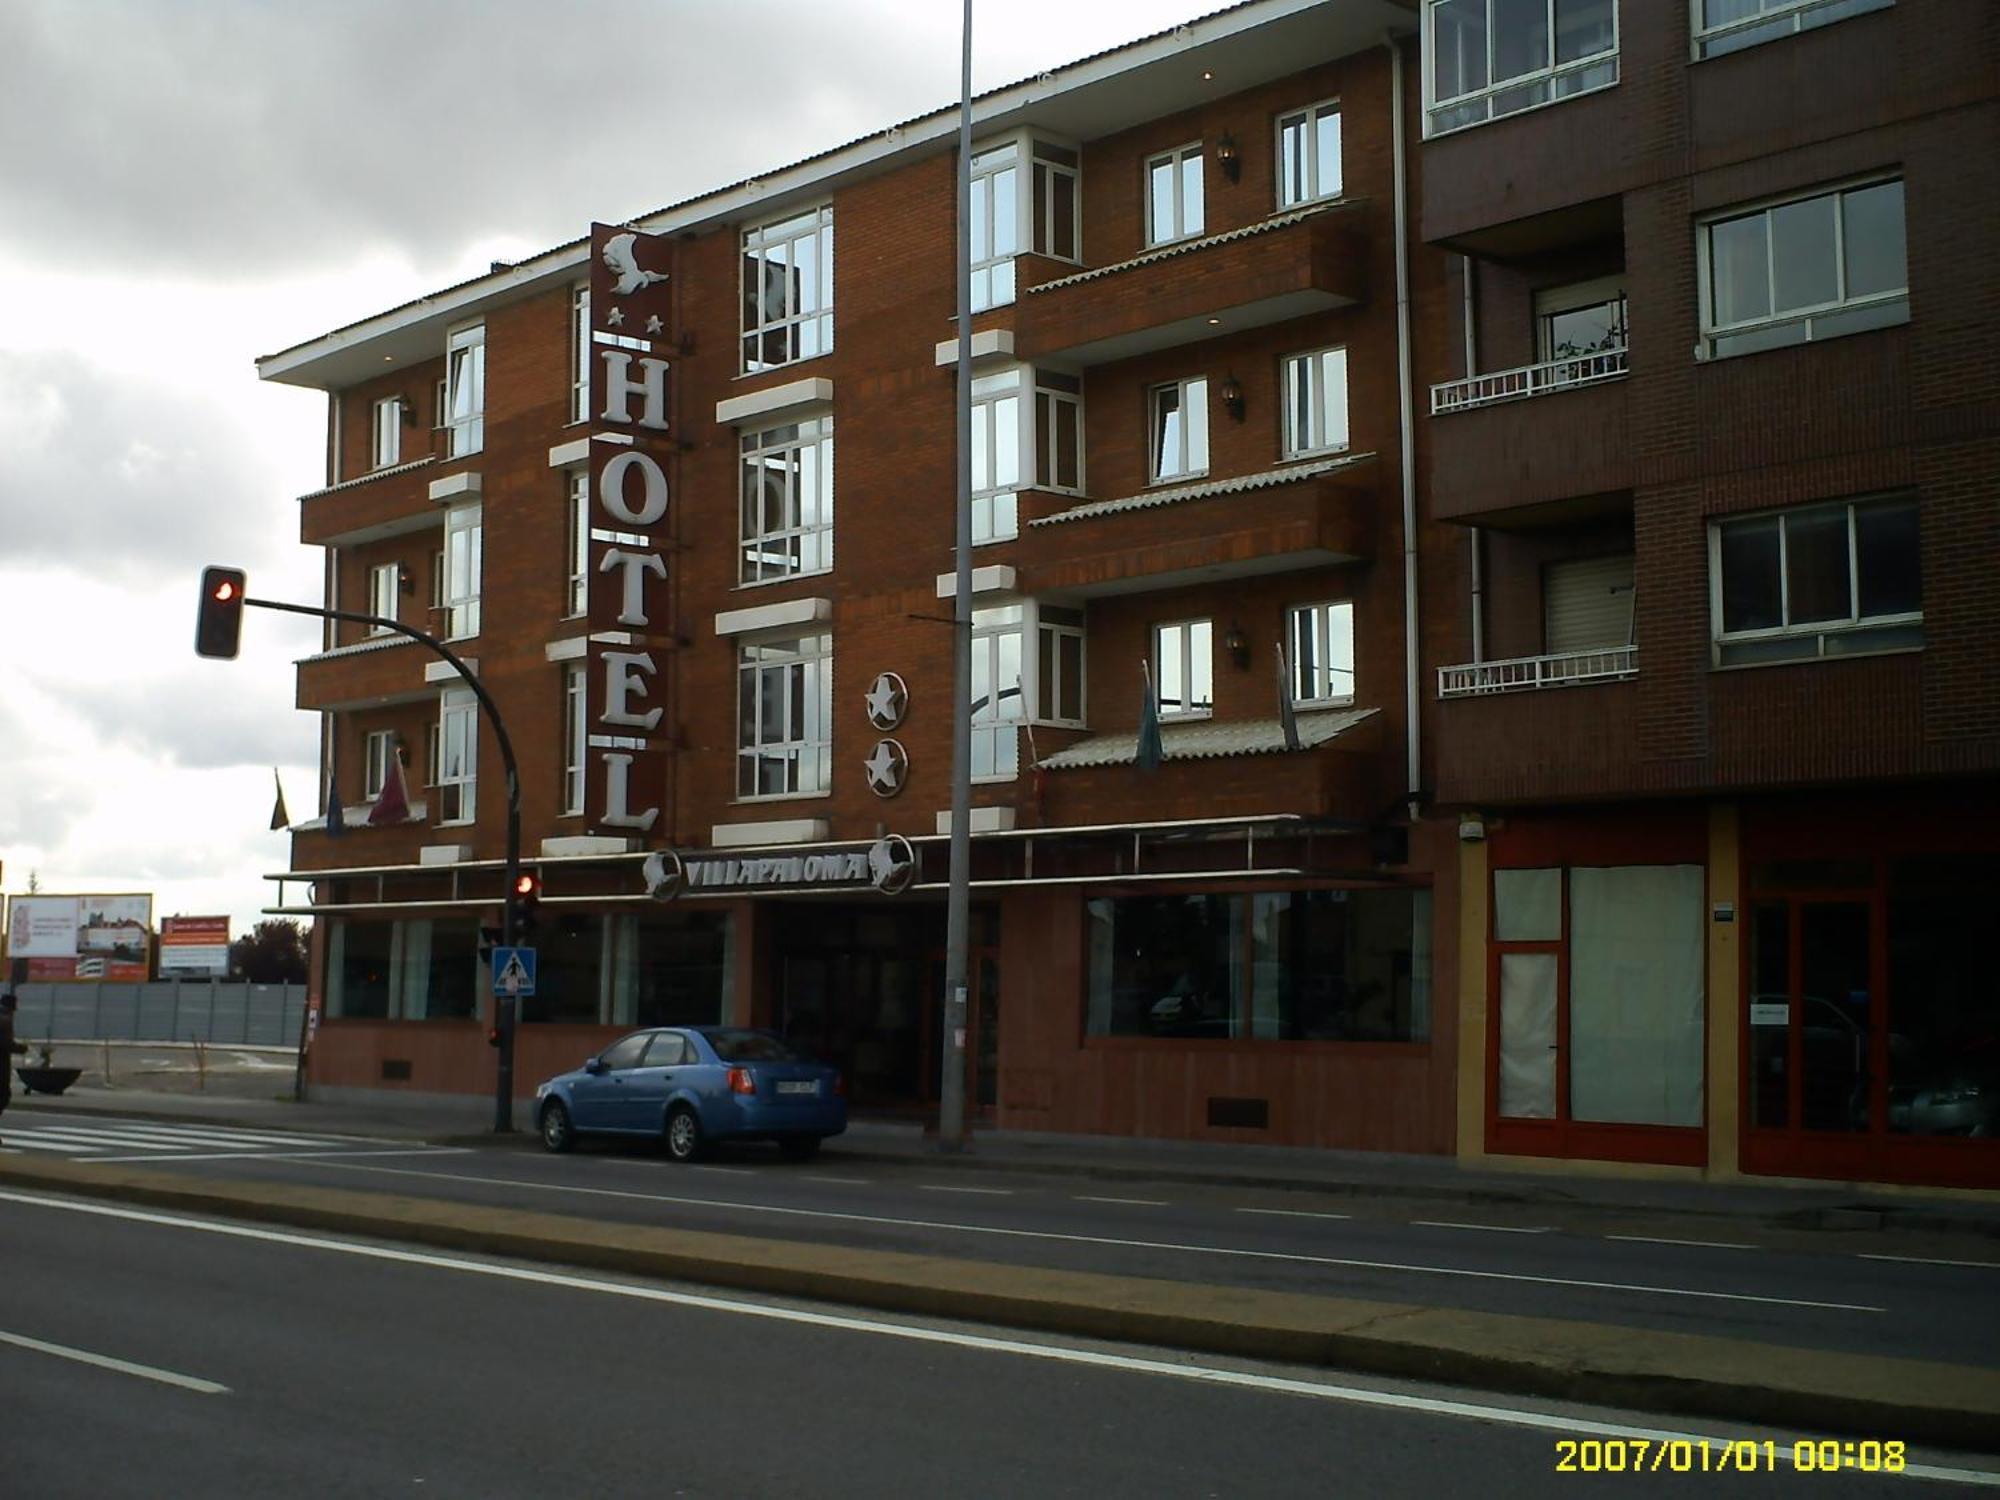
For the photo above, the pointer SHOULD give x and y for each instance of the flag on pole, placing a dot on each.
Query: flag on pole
(393, 804)
(336, 815)
(279, 817)
(1287, 716)
(1151, 751)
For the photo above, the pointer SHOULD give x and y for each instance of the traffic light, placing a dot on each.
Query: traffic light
(527, 899)
(220, 621)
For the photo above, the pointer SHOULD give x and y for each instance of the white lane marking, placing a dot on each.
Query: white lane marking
(1654, 1239)
(1493, 1228)
(1292, 1213)
(846, 1181)
(123, 1367)
(1201, 1374)
(726, 1171)
(84, 1140)
(1096, 1239)
(305, 1156)
(28, 1143)
(1919, 1260)
(1135, 1202)
(140, 1138)
(933, 1187)
(243, 1132)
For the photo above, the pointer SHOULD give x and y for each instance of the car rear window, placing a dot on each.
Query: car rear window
(753, 1046)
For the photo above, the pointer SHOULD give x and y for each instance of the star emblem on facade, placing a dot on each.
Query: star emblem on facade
(653, 324)
(888, 700)
(614, 317)
(887, 764)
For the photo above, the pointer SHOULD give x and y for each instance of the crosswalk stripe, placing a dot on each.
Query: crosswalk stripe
(183, 1137)
(232, 1132)
(80, 1138)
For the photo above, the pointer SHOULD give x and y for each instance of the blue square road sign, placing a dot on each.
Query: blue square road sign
(513, 972)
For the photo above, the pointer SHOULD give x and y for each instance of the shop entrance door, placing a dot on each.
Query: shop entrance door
(1815, 1039)
(982, 1031)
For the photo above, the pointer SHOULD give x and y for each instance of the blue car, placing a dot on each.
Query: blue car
(688, 1086)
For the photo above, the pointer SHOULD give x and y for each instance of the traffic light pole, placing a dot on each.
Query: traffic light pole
(503, 1096)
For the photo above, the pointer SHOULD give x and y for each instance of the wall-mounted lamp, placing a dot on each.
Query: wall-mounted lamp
(1226, 157)
(1237, 644)
(406, 581)
(408, 409)
(1232, 398)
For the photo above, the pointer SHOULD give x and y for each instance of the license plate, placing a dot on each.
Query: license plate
(807, 1087)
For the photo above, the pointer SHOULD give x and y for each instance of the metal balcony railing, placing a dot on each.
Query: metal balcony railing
(1523, 673)
(1528, 380)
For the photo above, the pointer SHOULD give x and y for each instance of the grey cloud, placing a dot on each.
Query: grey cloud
(191, 716)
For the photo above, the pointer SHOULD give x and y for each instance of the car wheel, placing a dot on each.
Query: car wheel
(799, 1147)
(556, 1132)
(683, 1133)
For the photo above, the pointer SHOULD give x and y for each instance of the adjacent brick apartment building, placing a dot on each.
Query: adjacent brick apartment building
(1256, 413)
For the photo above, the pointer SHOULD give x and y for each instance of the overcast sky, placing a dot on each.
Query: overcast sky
(188, 184)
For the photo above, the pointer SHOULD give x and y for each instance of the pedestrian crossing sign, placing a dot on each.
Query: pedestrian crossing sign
(513, 972)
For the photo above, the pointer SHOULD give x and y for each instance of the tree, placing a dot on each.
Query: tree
(272, 952)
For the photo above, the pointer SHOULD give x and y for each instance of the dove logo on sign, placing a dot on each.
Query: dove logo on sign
(623, 263)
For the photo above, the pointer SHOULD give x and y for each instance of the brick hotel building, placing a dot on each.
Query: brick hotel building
(1579, 412)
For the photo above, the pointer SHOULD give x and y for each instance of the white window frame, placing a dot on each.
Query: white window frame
(1191, 394)
(441, 406)
(1314, 682)
(1059, 177)
(576, 530)
(1552, 302)
(1896, 627)
(1188, 634)
(1786, 17)
(1487, 96)
(1307, 387)
(385, 587)
(1048, 687)
(1803, 318)
(998, 714)
(1310, 165)
(1002, 451)
(804, 749)
(579, 352)
(457, 773)
(1043, 431)
(387, 449)
(808, 226)
(464, 542)
(465, 393)
(376, 748)
(992, 262)
(1186, 225)
(575, 739)
(762, 556)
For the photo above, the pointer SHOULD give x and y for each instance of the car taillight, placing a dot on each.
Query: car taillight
(840, 1085)
(740, 1081)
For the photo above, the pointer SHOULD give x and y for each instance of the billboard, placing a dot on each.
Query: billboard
(197, 946)
(81, 937)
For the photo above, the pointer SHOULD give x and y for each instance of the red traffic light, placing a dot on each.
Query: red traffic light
(219, 623)
(526, 885)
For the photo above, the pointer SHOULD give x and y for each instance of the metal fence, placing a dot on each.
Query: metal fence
(168, 1010)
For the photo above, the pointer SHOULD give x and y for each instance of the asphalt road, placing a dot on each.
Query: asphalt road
(251, 1362)
(1708, 1279)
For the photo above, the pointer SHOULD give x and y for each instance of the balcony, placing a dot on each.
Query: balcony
(1527, 673)
(1509, 442)
(1496, 746)
(1283, 268)
(369, 673)
(370, 507)
(1307, 515)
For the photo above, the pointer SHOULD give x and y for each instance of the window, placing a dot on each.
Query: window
(1173, 195)
(385, 585)
(577, 528)
(388, 447)
(437, 582)
(1730, 25)
(1052, 201)
(998, 706)
(788, 290)
(575, 737)
(1016, 442)
(671, 968)
(1316, 403)
(1813, 268)
(1490, 58)
(465, 395)
(379, 745)
(787, 501)
(461, 571)
(784, 717)
(1058, 432)
(1059, 665)
(995, 227)
(1330, 965)
(1179, 442)
(579, 352)
(1309, 155)
(1319, 638)
(458, 755)
(1577, 322)
(1823, 580)
(1184, 669)
(441, 406)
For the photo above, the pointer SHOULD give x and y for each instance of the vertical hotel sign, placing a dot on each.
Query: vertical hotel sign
(630, 727)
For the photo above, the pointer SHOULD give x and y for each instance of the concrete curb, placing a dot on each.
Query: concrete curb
(1738, 1381)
